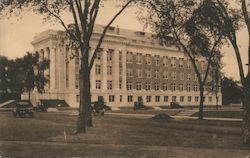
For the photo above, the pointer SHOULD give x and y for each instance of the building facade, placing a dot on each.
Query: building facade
(129, 64)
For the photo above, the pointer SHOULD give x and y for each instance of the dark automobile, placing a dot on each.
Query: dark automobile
(22, 109)
(175, 105)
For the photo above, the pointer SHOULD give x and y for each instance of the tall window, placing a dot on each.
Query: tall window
(138, 86)
(148, 99)
(109, 70)
(173, 62)
(120, 84)
(181, 87)
(165, 98)
(188, 87)
(188, 64)
(156, 86)
(97, 69)
(139, 73)
(174, 98)
(110, 54)
(189, 98)
(157, 60)
(165, 86)
(173, 75)
(157, 74)
(148, 73)
(165, 61)
(130, 98)
(165, 75)
(99, 55)
(129, 57)
(181, 62)
(109, 85)
(148, 59)
(181, 76)
(210, 98)
(157, 98)
(138, 58)
(98, 84)
(129, 72)
(173, 86)
(181, 98)
(129, 85)
(196, 98)
(195, 87)
(148, 86)
(189, 77)
(111, 98)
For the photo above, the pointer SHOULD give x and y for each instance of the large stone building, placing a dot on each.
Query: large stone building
(130, 64)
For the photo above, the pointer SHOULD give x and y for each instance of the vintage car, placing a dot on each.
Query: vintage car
(22, 109)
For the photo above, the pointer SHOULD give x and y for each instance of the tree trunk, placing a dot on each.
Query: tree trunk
(201, 101)
(85, 112)
(29, 95)
(217, 100)
(246, 115)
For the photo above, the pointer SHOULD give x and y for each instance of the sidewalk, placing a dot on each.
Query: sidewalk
(145, 116)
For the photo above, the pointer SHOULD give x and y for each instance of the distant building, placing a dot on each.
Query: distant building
(130, 64)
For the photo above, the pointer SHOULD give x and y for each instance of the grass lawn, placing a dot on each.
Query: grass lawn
(222, 113)
(114, 136)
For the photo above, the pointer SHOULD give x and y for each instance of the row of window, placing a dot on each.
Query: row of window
(148, 86)
(148, 59)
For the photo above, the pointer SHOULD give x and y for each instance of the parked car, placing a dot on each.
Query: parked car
(22, 109)
(175, 105)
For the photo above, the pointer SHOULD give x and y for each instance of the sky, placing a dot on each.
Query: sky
(16, 34)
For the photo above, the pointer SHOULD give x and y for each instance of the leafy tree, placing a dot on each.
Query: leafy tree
(31, 72)
(84, 13)
(231, 91)
(231, 29)
(192, 25)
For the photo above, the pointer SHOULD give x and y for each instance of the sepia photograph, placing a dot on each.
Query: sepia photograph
(124, 79)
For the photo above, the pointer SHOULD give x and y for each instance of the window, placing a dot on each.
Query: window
(99, 55)
(120, 84)
(181, 62)
(165, 98)
(173, 88)
(195, 88)
(138, 58)
(181, 98)
(148, 86)
(165, 61)
(109, 85)
(98, 84)
(165, 75)
(210, 98)
(188, 87)
(148, 99)
(156, 73)
(181, 87)
(111, 98)
(157, 60)
(139, 73)
(174, 98)
(130, 98)
(164, 86)
(138, 86)
(129, 57)
(189, 77)
(156, 86)
(195, 77)
(148, 73)
(181, 76)
(173, 75)
(110, 54)
(109, 70)
(173, 60)
(120, 98)
(196, 98)
(148, 59)
(129, 85)
(77, 98)
(157, 98)
(120, 69)
(97, 69)
(189, 98)
(129, 72)
(120, 55)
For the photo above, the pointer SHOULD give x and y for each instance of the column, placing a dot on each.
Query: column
(124, 70)
(52, 68)
(104, 70)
